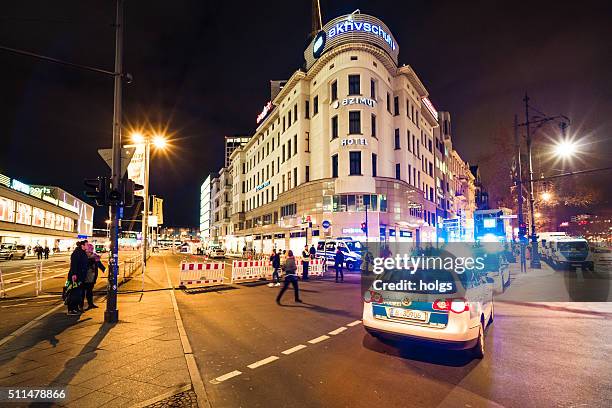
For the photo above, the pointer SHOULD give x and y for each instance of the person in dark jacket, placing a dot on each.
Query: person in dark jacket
(46, 252)
(313, 252)
(276, 264)
(290, 268)
(93, 265)
(338, 262)
(77, 274)
(305, 262)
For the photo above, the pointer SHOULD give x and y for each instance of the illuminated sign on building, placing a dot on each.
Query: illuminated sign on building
(430, 108)
(266, 110)
(262, 185)
(19, 186)
(348, 26)
(354, 142)
(319, 44)
(355, 101)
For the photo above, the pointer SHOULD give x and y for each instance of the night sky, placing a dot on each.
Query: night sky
(201, 71)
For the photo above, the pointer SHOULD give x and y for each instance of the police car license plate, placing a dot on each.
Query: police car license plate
(408, 314)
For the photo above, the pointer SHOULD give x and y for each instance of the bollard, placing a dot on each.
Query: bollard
(38, 281)
(2, 292)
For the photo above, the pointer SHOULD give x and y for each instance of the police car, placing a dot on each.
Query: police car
(450, 310)
(349, 247)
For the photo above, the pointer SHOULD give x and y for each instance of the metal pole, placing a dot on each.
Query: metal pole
(111, 314)
(519, 187)
(535, 257)
(145, 214)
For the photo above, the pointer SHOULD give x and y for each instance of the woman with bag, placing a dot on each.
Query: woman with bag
(92, 275)
(290, 278)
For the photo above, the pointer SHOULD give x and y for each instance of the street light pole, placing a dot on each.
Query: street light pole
(111, 314)
(145, 213)
(519, 187)
(535, 256)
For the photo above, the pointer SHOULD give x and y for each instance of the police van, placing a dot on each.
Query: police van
(350, 248)
(450, 310)
(563, 252)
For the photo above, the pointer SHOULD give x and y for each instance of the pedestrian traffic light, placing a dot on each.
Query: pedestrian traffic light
(364, 227)
(97, 189)
(522, 232)
(128, 188)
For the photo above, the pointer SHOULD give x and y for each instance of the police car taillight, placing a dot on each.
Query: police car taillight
(456, 305)
(459, 305)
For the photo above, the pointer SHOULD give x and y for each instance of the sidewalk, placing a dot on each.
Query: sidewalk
(139, 361)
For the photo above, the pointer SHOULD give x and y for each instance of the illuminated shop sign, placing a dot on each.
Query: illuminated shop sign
(352, 231)
(406, 234)
(355, 101)
(19, 186)
(354, 142)
(266, 110)
(430, 108)
(348, 26)
(319, 44)
(262, 185)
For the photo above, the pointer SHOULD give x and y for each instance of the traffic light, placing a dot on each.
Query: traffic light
(522, 232)
(97, 189)
(128, 188)
(364, 227)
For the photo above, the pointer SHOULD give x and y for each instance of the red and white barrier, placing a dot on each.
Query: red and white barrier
(315, 267)
(196, 273)
(247, 270)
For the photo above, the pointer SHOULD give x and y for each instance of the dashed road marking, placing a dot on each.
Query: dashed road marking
(318, 339)
(293, 349)
(355, 323)
(337, 331)
(263, 362)
(226, 377)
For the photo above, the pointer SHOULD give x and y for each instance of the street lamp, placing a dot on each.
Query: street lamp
(565, 149)
(146, 140)
(546, 196)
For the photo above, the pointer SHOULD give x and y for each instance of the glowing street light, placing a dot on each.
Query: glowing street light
(546, 196)
(159, 141)
(566, 149)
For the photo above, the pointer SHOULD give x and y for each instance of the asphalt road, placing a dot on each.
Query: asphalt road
(254, 353)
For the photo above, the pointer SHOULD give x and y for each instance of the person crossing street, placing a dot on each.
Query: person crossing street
(276, 264)
(290, 278)
(338, 262)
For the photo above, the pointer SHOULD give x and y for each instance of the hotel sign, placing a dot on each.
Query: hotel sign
(430, 108)
(266, 110)
(354, 142)
(262, 185)
(359, 100)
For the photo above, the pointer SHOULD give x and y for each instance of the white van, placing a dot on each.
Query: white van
(12, 251)
(350, 248)
(567, 252)
(455, 321)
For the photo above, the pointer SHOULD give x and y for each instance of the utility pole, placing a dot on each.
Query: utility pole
(535, 256)
(519, 187)
(111, 315)
(145, 213)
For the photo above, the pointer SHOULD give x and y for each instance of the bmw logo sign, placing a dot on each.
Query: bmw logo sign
(318, 44)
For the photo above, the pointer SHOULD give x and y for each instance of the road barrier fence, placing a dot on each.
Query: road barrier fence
(199, 273)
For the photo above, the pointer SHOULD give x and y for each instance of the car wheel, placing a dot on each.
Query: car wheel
(22, 256)
(479, 349)
(350, 266)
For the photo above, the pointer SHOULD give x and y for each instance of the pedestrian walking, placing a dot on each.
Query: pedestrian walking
(93, 265)
(39, 252)
(46, 251)
(276, 264)
(338, 262)
(305, 262)
(290, 278)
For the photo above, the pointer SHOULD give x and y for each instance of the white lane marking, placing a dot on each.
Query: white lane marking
(293, 349)
(337, 331)
(226, 376)
(355, 323)
(26, 284)
(318, 339)
(262, 362)
(17, 304)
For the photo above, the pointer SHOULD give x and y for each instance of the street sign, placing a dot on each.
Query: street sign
(126, 157)
(326, 224)
(508, 217)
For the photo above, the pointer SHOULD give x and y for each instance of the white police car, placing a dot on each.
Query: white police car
(452, 317)
(349, 247)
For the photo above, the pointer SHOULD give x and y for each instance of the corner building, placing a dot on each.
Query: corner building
(351, 133)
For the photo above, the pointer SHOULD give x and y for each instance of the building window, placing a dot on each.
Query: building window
(372, 89)
(398, 171)
(315, 105)
(388, 102)
(334, 164)
(334, 127)
(408, 140)
(295, 113)
(373, 118)
(289, 118)
(294, 144)
(354, 122)
(354, 88)
(283, 123)
(307, 174)
(289, 209)
(307, 110)
(374, 164)
(288, 149)
(295, 179)
(409, 172)
(355, 163)
(283, 153)
(334, 91)
(396, 106)
(307, 139)
(397, 139)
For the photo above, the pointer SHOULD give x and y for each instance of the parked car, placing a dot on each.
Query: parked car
(12, 251)
(216, 252)
(602, 260)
